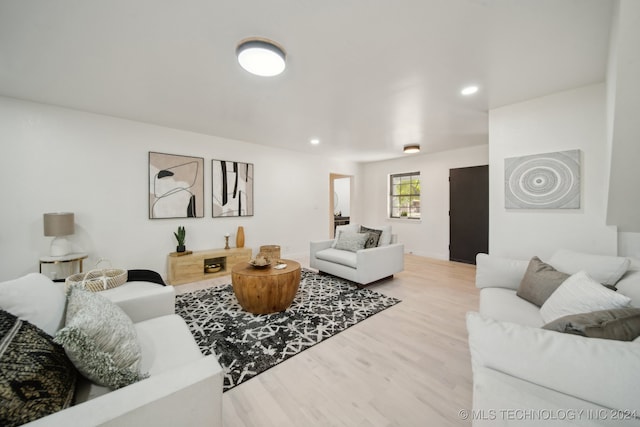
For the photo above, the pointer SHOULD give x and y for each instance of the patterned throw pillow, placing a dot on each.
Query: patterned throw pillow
(36, 377)
(351, 241)
(374, 236)
(100, 339)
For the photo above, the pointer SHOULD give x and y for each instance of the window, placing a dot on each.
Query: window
(404, 195)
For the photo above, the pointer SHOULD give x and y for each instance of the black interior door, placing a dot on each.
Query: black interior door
(468, 213)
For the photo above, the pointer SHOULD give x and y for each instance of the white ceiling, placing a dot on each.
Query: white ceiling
(363, 76)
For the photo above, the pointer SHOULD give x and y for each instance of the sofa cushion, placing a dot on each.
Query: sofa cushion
(540, 281)
(36, 377)
(100, 339)
(503, 304)
(339, 257)
(603, 372)
(374, 237)
(498, 272)
(36, 299)
(166, 344)
(142, 300)
(580, 294)
(629, 285)
(604, 269)
(622, 324)
(351, 241)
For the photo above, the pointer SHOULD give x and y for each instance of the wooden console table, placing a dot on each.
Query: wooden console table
(202, 265)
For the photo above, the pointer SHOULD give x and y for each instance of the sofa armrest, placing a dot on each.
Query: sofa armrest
(319, 245)
(143, 300)
(497, 272)
(190, 395)
(389, 257)
(604, 372)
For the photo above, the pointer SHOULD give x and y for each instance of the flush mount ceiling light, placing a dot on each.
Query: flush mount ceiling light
(411, 148)
(314, 141)
(260, 56)
(469, 90)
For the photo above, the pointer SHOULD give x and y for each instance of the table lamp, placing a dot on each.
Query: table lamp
(59, 224)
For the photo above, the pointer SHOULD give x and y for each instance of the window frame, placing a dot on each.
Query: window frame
(414, 212)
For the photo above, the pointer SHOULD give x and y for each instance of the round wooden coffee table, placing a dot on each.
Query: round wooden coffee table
(268, 290)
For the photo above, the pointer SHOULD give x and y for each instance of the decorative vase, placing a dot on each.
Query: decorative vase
(240, 237)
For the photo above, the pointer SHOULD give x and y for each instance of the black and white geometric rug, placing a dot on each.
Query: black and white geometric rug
(247, 344)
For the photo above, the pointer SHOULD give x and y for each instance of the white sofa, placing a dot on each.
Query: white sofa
(363, 266)
(525, 375)
(183, 388)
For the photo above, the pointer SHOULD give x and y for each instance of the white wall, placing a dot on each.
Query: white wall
(429, 236)
(568, 120)
(623, 128)
(55, 159)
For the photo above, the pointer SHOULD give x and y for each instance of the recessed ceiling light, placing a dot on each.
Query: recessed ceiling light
(314, 141)
(469, 90)
(411, 148)
(260, 56)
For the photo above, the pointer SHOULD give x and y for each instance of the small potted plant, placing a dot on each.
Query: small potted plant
(180, 236)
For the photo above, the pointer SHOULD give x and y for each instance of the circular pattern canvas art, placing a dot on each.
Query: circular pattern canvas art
(543, 181)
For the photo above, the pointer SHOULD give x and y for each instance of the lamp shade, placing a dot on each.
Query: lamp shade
(58, 224)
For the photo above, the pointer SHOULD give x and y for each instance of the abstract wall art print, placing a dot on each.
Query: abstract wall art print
(543, 181)
(232, 188)
(176, 186)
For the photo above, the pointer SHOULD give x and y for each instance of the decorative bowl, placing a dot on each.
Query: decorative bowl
(260, 266)
(213, 268)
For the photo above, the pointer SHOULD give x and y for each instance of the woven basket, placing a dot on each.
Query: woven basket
(99, 279)
(270, 252)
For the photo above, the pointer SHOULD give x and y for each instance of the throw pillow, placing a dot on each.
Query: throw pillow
(100, 339)
(374, 236)
(350, 228)
(37, 378)
(580, 294)
(622, 324)
(540, 281)
(351, 241)
(36, 299)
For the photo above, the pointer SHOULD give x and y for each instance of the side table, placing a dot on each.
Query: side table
(64, 260)
(268, 290)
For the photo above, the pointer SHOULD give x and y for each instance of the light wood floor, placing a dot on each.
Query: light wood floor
(406, 366)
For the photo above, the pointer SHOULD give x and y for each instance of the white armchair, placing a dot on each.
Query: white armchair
(363, 266)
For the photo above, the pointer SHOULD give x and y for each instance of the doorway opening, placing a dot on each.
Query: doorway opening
(339, 201)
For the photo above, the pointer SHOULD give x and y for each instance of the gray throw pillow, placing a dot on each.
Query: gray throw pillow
(540, 281)
(100, 339)
(374, 236)
(621, 324)
(351, 241)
